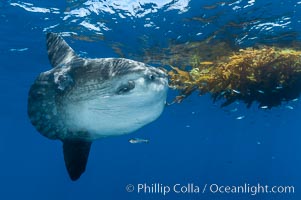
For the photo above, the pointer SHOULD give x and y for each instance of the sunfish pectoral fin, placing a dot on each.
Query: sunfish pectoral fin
(76, 153)
(59, 52)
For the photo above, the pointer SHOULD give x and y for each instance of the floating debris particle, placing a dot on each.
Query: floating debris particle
(240, 117)
(264, 107)
(234, 110)
(23, 49)
(290, 107)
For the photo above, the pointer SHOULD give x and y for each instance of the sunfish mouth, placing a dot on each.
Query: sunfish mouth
(80, 100)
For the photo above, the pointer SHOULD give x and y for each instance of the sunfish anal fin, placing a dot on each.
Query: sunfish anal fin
(76, 153)
(59, 52)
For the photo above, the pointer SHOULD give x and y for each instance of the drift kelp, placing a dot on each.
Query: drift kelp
(267, 75)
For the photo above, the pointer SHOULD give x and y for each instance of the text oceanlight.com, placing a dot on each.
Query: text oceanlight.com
(192, 188)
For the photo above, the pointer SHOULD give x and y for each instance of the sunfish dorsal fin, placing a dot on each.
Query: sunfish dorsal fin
(76, 153)
(59, 52)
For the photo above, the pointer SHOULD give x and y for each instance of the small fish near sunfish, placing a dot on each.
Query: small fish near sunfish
(138, 141)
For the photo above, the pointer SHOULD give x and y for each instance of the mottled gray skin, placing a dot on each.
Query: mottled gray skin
(80, 100)
(48, 96)
(67, 83)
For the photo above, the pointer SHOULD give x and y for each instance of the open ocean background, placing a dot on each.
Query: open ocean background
(192, 142)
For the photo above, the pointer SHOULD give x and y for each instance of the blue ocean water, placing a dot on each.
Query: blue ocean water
(196, 142)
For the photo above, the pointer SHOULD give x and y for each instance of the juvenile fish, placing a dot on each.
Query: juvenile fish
(236, 91)
(138, 141)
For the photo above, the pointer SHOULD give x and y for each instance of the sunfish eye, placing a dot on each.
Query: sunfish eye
(125, 88)
(151, 77)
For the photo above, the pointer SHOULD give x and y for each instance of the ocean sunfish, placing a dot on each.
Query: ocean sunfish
(80, 100)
